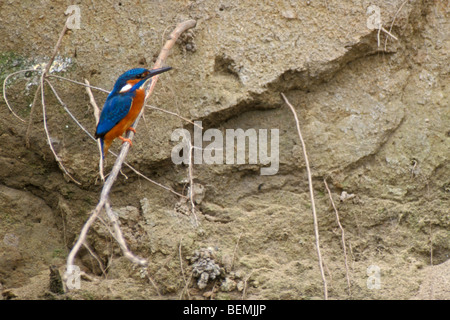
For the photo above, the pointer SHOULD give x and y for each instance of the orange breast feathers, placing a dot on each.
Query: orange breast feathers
(119, 129)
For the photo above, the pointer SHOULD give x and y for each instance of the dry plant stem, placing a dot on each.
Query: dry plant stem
(378, 36)
(4, 91)
(182, 272)
(41, 89)
(311, 193)
(83, 234)
(92, 102)
(154, 285)
(92, 253)
(244, 291)
(48, 135)
(114, 154)
(30, 120)
(97, 119)
(342, 236)
(235, 250)
(79, 83)
(392, 24)
(67, 109)
(55, 49)
(389, 34)
(104, 202)
(41, 86)
(120, 239)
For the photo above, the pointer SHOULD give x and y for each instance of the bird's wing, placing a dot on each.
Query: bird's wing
(114, 110)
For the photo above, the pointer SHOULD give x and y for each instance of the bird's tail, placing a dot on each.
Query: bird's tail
(105, 144)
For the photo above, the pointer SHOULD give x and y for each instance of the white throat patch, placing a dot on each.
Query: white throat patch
(125, 88)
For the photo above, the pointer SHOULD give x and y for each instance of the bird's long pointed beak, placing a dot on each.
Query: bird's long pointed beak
(154, 72)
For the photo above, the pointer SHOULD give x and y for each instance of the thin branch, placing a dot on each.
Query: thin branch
(153, 284)
(311, 193)
(180, 28)
(378, 35)
(49, 141)
(191, 183)
(235, 250)
(41, 89)
(55, 49)
(79, 83)
(96, 257)
(342, 236)
(175, 114)
(82, 236)
(30, 120)
(114, 154)
(182, 271)
(97, 119)
(150, 180)
(120, 239)
(244, 291)
(67, 109)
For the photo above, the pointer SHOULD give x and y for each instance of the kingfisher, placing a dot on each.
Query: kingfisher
(123, 105)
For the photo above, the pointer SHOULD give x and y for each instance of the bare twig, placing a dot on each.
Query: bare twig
(431, 244)
(40, 89)
(180, 28)
(79, 83)
(82, 235)
(96, 257)
(378, 35)
(182, 271)
(153, 284)
(49, 141)
(235, 250)
(92, 101)
(104, 202)
(342, 236)
(392, 24)
(67, 109)
(244, 291)
(388, 32)
(114, 154)
(176, 115)
(120, 239)
(55, 49)
(191, 184)
(150, 180)
(311, 193)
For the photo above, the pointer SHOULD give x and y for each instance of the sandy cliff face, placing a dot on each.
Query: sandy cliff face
(374, 112)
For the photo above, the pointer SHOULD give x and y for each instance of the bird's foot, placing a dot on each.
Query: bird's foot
(131, 129)
(125, 140)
